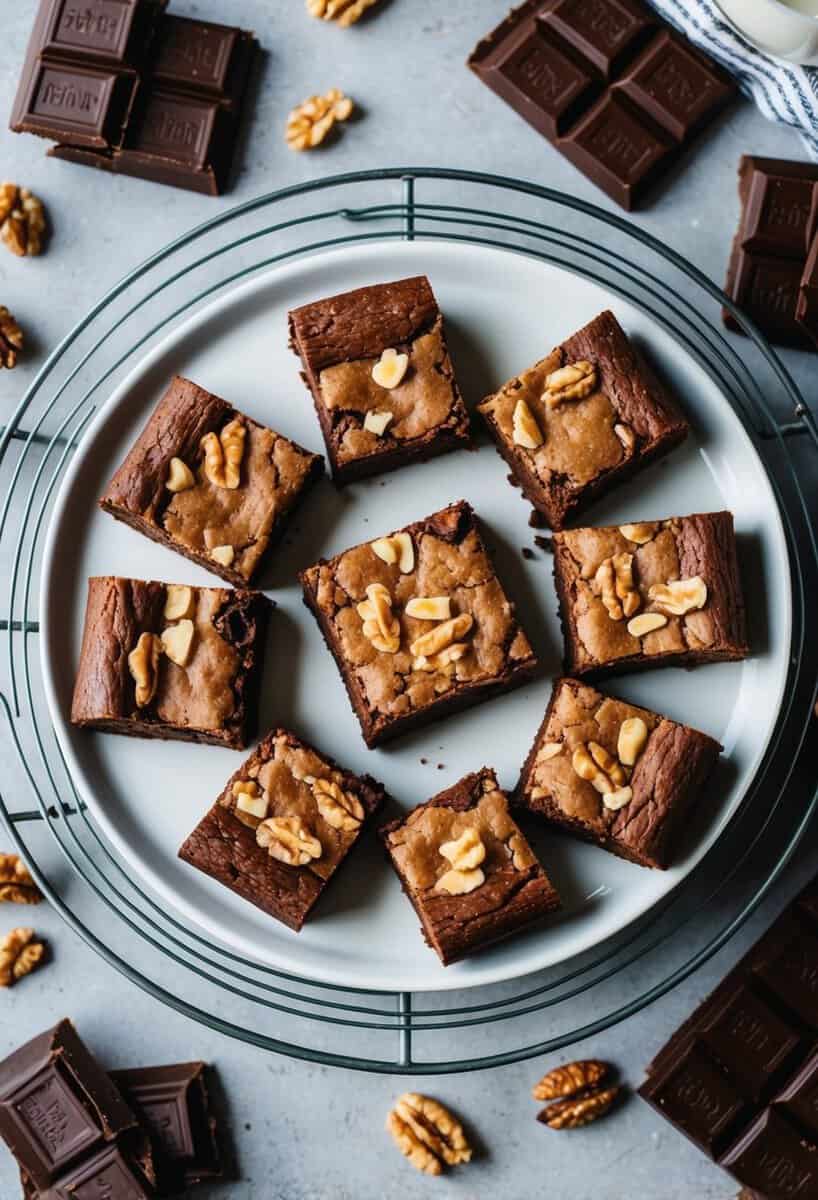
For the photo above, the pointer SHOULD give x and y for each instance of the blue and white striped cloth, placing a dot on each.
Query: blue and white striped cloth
(784, 92)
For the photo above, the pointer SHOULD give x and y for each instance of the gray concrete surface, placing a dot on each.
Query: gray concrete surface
(304, 1132)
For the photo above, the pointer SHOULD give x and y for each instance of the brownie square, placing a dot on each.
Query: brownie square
(283, 826)
(375, 415)
(653, 593)
(418, 623)
(467, 868)
(163, 660)
(620, 776)
(581, 420)
(208, 482)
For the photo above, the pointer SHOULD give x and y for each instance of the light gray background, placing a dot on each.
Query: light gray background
(305, 1132)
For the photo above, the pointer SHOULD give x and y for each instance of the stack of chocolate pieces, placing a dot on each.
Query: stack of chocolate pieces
(77, 1131)
(123, 86)
(740, 1077)
(773, 269)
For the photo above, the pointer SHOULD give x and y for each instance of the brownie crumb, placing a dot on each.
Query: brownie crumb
(512, 481)
(527, 552)
(544, 543)
(423, 762)
(536, 520)
(441, 766)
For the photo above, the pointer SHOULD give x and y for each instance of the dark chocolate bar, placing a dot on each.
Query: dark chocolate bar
(740, 1077)
(174, 1104)
(614, 89)
(769, 253)
(67, 1124)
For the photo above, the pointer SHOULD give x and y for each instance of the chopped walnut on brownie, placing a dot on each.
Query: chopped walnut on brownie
(377, 364)
(282, 827)
(210, 483)
(651, 593)
(582, 419)
(164, 660)
(468, 870)
(418, 623)
(623, 777)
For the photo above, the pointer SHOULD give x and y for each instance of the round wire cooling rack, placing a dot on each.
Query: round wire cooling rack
(84, 877)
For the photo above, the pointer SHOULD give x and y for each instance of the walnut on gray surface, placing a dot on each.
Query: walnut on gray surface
(11, 338)
(22, 220)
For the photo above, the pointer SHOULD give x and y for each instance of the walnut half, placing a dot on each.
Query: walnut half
(309, 124)
(22, 220)
(427, 1134)
(343, 12)
(11, 339)
(16, 884)
(20, 954)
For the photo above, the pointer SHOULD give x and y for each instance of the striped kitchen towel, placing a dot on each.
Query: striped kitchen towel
(783, 91)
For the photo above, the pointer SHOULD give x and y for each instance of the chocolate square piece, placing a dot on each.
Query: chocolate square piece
(418, 623)
(210, 483)
(170, 661)
(377, 364)
(614, 774)
(653, 593)
(467, 869)
(739, 1076)
(174, 1105)
(283, 826)
(582, 419)
(62, 1118)
(617, 91)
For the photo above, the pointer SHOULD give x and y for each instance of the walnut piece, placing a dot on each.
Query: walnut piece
(223, 454)
(465, 854)
(178, 601)
(593, 763)
(288, 840)
(22, 220)
(646, 623)
(398, 548)
(377, 420)
(20, 954)
(549, 750)
(16, 884)
(578, 1111)
(618, 799)
(525, 431)
(11, 339)
(343, 12)
(574, 381)
(444, 661)
(442, 636)
(143, 664)
(570, 1079)
(309, 124)
(427, 1134)
(390, 369)
(680, 596)
(641, 533)
(626, 436)
(633, 733)
(250, 799)
(342, 810)
(614, 579)
(429, 608)
(380, 625)
(180, 477)
(223, 555)
(177, 641)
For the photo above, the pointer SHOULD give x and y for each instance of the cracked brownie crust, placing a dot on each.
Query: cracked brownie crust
(666, 780)
(680, 550)
(212, 698)
(392, 690)
(225, 844)
(243, 521)
(590, 442)
(341, 339)
(514, 891)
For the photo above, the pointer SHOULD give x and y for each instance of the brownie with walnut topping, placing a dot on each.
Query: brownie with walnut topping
(649, 594)
(210, 483)
(614, 774)
(419, 623)
(378, 366)
(468, 870)
(162, 660)
(582, 419)
(283, 826)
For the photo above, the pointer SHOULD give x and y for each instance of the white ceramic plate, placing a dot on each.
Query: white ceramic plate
(504, 310)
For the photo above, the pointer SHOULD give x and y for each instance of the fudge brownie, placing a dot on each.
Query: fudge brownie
(623, 777)
(418, 623)
(210, 483)
(383, 384)
(653, 593)
(163, 660)
(581, 420)
(283, 826)
(468, 870)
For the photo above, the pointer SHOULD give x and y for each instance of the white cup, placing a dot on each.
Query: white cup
(788, 31)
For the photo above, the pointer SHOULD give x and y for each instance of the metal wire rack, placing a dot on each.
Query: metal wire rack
(84, 877)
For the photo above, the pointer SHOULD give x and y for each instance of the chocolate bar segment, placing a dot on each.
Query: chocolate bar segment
(615, 90)
(65, 1121)
(174, 1104)
(89, 105)
(740, 1077)
(115, 31)
(199, 56)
